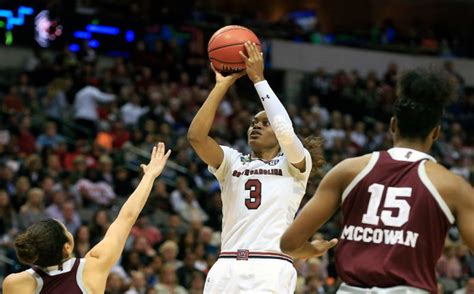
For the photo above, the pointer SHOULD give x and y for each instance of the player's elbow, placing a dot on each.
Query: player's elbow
(194, 137)
(288, 244)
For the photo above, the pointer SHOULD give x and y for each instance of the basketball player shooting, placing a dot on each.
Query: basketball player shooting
(261, 191)
(397, 204)
(47, 246)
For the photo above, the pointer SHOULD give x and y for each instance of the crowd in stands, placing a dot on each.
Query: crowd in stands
(73, 132)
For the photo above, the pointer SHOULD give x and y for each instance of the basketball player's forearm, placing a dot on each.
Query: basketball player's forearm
(304, 251)
(202, 123)
(281, 122)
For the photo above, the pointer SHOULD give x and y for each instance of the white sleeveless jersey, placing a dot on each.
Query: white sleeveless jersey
(259, 199)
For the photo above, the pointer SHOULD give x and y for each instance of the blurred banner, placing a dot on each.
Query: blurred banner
(287, 55)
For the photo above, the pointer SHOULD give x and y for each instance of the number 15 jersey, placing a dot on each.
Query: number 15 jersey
(259, 199)
(394, 224)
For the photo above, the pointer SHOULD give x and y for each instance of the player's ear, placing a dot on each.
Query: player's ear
(435, 133)
(393, 125)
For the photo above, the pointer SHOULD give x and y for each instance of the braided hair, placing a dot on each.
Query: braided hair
(42, 244)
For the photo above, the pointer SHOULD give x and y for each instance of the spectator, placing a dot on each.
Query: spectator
(70, 217)
(55, 209)
(8, 218)
(177, 196)
(168, 281)
(190, 208)
(50, 138)
(197, 283)
(186, 272)
(93, 191)
(85, 108)
(25, 140)
(169, 251)
(54, 102)
(33, 169)
(138, 285)
(143, 228)
(115, 284)
(22, 186)
(82, 243)
(100, 223)
(33, 210)
(468, 289)
(132, 110)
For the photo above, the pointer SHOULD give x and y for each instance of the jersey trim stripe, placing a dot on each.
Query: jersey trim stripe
(257, 254)
(39, 280)
(429, 185)
(347, 289)
(79, 276)
(361, 175)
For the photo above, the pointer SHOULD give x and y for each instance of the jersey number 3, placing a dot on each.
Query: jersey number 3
(392, 200)
(255, 199)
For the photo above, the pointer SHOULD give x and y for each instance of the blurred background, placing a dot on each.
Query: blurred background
(142, 68)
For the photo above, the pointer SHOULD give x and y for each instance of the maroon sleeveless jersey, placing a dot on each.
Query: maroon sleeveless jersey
(55, 281)
(394, 224)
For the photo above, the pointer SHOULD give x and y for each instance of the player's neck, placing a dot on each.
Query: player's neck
(266, 154)
(424, 147)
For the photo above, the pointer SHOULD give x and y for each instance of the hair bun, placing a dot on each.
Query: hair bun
(427, 86)
(26, 250)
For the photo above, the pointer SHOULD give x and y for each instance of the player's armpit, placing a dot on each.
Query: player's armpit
(208, 150)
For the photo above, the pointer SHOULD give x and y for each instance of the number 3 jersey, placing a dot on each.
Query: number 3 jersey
(394, 224)
(259, 199)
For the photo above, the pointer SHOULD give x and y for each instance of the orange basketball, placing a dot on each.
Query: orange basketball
(224, 46)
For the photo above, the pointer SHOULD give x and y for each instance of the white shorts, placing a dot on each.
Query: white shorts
(254, 275)
(346, 289)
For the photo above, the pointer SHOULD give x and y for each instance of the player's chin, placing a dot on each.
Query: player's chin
(254, 143)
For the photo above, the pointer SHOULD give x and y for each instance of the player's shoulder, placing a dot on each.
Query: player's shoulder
(355, 164)
(22, 282)
(445, 181)
(229, 150)
(345, 171)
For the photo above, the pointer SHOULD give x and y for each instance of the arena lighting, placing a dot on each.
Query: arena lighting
(8, 38)
(74, 48)
(93, 43)
(107, 30)
(82, 35)
(15, 21)
(46, 30)
(130, 36)
(95, 29)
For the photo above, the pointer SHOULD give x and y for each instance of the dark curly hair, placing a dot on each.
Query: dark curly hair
(314, 145)
(42, 244)
(422, 95)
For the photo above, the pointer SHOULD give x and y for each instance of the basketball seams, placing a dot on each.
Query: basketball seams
(226, 62)
(234, 27)
(228, 45)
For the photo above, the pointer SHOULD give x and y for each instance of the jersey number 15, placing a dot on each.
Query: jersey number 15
(392, 200)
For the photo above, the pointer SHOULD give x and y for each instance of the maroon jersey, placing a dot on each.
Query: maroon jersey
(55, 281)
(395, 223)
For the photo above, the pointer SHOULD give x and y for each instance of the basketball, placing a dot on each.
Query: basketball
(224, 46)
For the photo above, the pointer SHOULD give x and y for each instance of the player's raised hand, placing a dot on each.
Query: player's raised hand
(254, 62)
(228, 79)
(157, 161)
(320, 247)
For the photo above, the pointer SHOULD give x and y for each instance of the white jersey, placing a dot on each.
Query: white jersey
(259, 199)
